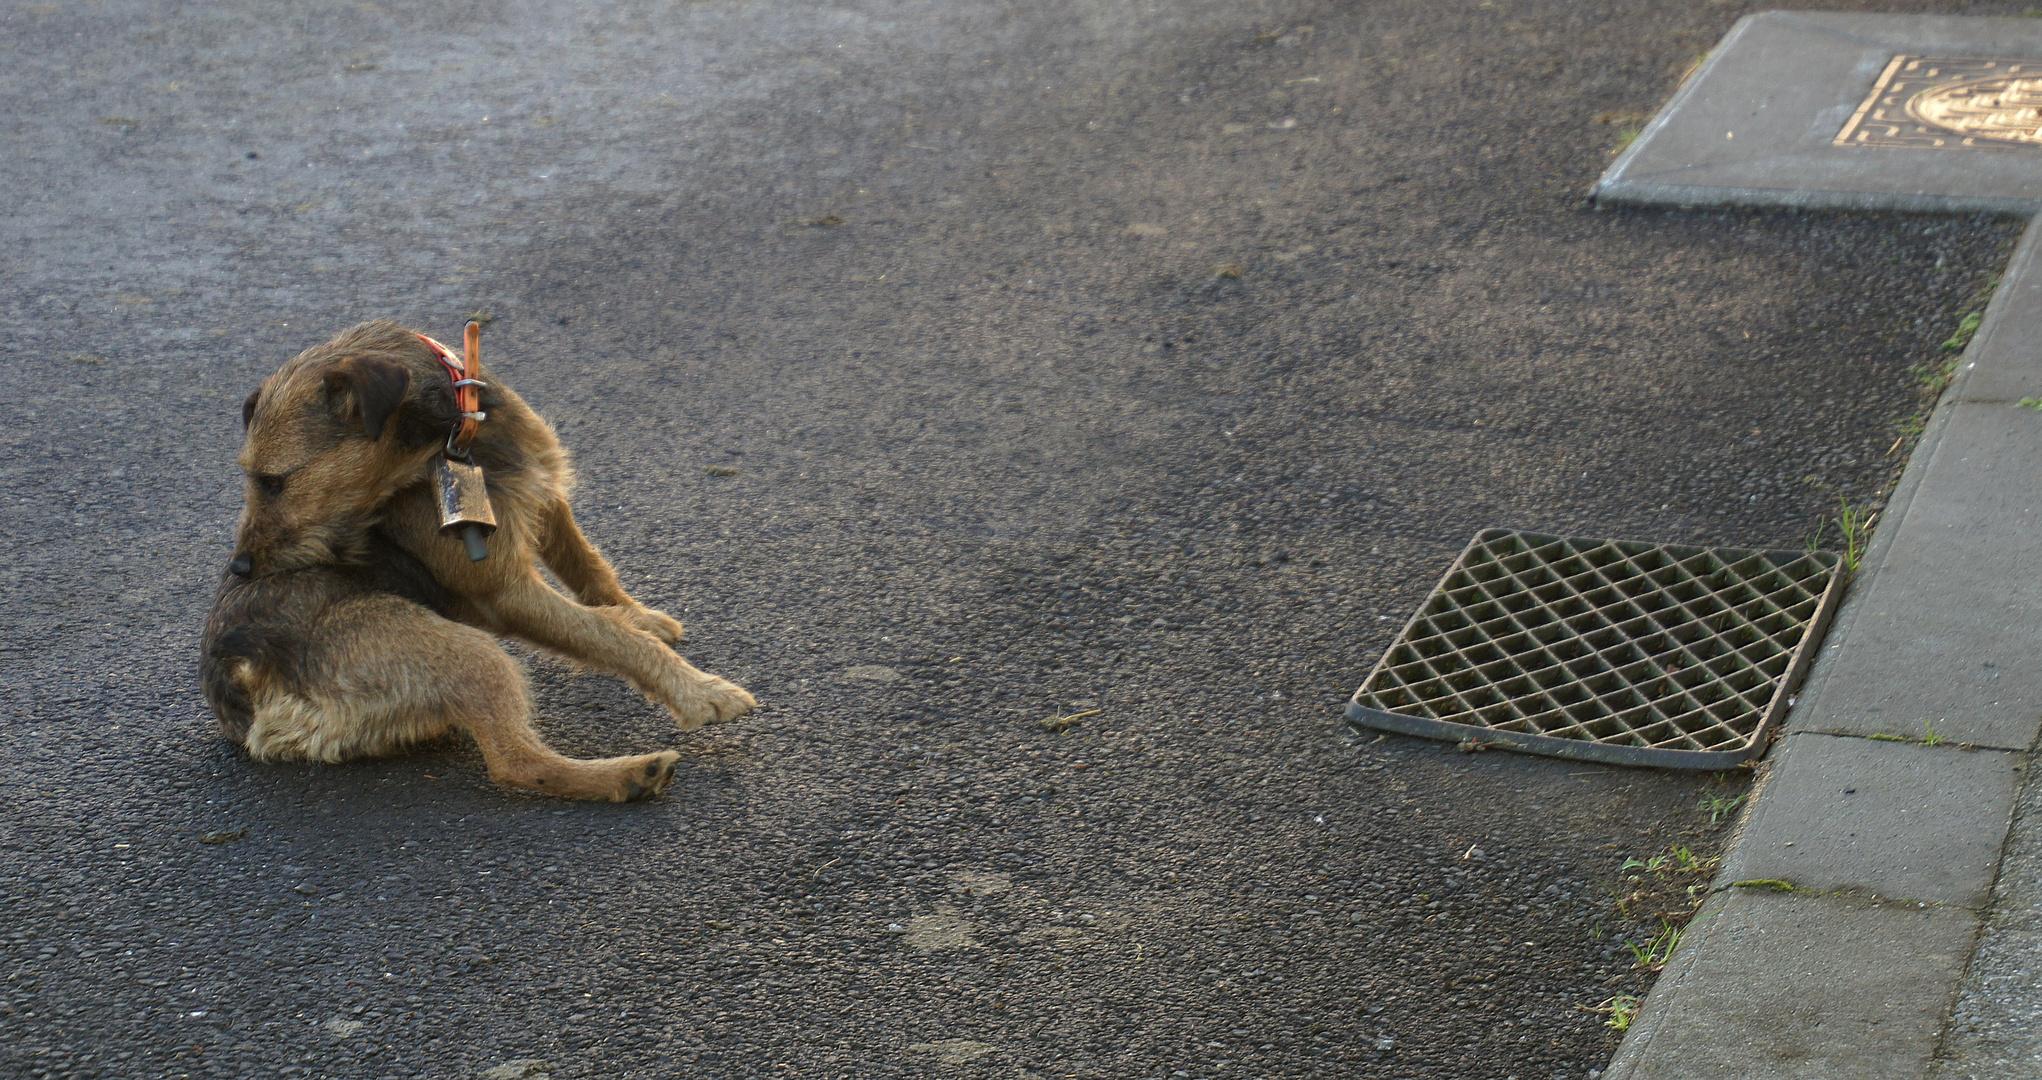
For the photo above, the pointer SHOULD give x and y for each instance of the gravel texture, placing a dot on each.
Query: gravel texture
(947, 367)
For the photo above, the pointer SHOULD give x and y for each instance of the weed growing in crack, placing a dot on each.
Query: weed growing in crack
(1932, 377)
(1655, 898)
(1769, 884)
(1673, 880)
(1656, 950)
(1720, 808)
(1680, 858)
(1967, 327)
(1629, 126)
(1853, 527)
(1929, 736)
(1619, 1011)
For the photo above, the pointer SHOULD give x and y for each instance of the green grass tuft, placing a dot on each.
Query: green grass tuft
(1966, 328)
(1619, 1010)
(1720, 808)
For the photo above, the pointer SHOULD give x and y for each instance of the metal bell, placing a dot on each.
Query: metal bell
(464, 504)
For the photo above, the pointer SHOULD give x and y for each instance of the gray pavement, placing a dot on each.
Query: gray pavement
(1876, 914)
(1757, 124)
(1071, 355)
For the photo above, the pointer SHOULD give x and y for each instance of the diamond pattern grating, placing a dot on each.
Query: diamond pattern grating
(1603, 650)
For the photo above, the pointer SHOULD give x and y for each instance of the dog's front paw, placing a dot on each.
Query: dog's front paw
(657, 623)
(714, 700)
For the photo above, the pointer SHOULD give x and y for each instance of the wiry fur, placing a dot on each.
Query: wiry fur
(357, 629)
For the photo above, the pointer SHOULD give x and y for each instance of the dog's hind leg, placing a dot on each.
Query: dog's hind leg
(604, 637)
(333, 728)
(582, 568)
(383, 673)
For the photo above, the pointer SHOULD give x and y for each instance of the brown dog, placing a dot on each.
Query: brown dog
(339, 632)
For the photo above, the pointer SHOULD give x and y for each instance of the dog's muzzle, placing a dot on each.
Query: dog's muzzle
(242, 566)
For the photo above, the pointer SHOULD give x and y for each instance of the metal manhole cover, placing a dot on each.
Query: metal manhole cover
(1604, 650)
(1951, 102)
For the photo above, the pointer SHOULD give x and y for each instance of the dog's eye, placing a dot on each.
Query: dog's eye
(270, 485)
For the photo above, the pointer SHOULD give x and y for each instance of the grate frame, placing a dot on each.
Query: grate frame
(1616, 651)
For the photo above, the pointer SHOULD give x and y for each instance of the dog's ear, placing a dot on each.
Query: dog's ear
(427, 416)
(368, 388)
(248, 407)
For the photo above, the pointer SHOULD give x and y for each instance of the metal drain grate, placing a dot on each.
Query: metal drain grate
(1602, 650)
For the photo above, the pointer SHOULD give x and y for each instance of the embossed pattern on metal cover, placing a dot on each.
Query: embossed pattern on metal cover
(1951, 103)
(1606, 650)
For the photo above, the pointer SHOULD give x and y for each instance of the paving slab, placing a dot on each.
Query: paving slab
(1784, 985)
(1940, 630)
(1758, 123)
(1995, 1031)
(1896, 820)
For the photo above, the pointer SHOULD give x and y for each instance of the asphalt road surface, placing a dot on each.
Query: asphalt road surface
(946, 367)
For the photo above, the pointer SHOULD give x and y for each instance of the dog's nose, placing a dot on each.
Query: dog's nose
(242, 566)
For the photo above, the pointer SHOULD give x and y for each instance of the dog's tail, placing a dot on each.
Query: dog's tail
(232, 655)
(218, 672)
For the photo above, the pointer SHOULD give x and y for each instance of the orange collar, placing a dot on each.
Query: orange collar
(467, 391)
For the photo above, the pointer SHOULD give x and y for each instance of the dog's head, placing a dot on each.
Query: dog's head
(332, 436)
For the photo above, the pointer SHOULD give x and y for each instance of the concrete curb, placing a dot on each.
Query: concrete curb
(1951, 581)
(1795, 984)
(1870, 851)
